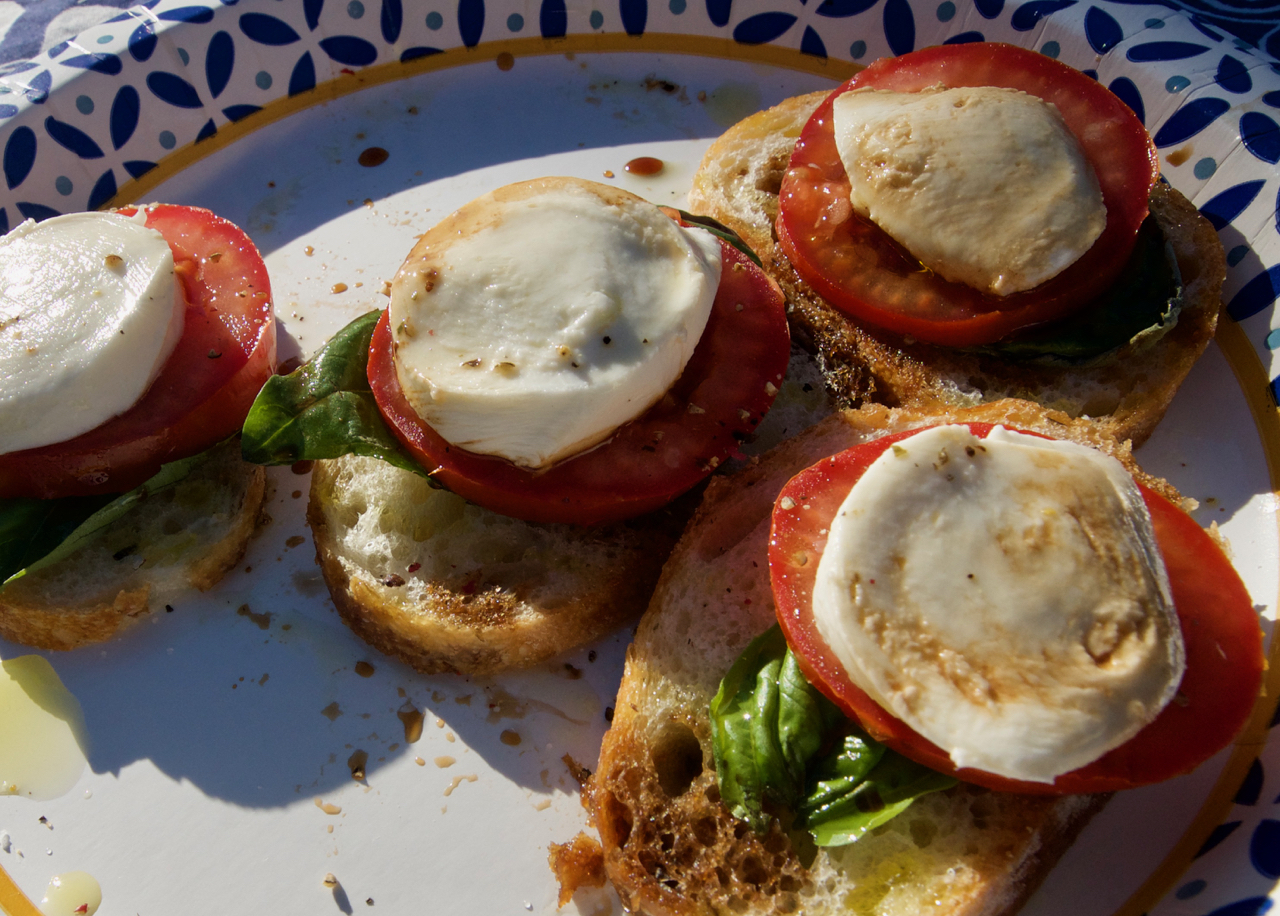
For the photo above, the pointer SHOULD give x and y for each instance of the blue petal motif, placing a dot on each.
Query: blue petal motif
(1251, 788)
(17, 66)
(1272, 98)
(219, 61)
(72, 138)
(553, 19)
(209, 130)
(37, 212)
(635, 14)
(1189, 120)
(138, 167)
(267, 30)
(101, 63)
(762, 28)
(471, 21)
(236, 112)
(4, 221)
(1258, 294)
(349, 50)
(1251, 906)
(1220, 833)
(839, 9)
(171, 88)
(1261, 136)
(899, 26)
(811, 43)
(142, 43)
(415, 53)
(1028, 16)
(303, 77)
(1233, 76)
(37, 88)
(1102, 30)
(196, 14)
(311, 12)
(989, 9)
(1164, 50)
(103, 190)
(58, 48)
(1127, 91)
(965, 38)
(8, 111)
(19, 156)
(392, 20)
(1222, 208)
(124, 115)
(718, 12)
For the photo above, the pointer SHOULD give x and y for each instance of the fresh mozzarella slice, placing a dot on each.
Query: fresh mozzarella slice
(542, 316)
(986, 186)
(89, 311)
(1004, 597)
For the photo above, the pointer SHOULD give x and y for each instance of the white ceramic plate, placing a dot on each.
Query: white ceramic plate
(215, 729)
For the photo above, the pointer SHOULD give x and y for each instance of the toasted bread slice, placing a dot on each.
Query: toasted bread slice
(184, 537)
(1126, 393)
(670, 847)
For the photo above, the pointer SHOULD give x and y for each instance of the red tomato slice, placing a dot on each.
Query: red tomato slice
(724, 391)
(226, 352)
(860, 270)
(1219, 628)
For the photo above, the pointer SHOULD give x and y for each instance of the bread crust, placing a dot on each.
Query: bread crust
(1126, 393)
(670, 847)
(187, 536)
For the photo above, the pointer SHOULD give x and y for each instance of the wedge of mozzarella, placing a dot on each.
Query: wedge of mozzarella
(1004, 597)
(986, 186)
(90, 309)
(539, 318)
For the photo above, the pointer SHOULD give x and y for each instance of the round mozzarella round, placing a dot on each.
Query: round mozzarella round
(542, 316)
(986, 186)
(1004, 597)
(89, 311)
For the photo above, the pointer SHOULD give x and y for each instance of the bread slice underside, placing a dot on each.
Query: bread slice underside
(670, 847)
(448, 586)
(186, 536)
(1126, 393)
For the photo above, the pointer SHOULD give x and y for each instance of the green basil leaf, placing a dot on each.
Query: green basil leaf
(720, 230)
(324, 409)
(38, 532)
(1143, 302)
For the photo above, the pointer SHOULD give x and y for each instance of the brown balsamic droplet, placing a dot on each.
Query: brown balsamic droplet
(301, 467)
(510, 737)
(356, 763)
(506, 61)
(289, 365)
(364, 669)
(374, 155)
(645, 166)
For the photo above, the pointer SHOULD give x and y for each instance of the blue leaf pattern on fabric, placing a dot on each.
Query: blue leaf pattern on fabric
(37, 88)
(1258, 294)
(1126, 90)
(1102, 30)
(1272, 98)
(1219, 833)
(719, 11)
(311, 12)
(899, 26)
(209, 130)
(415, 53)
(1251, 786)
(219, 61)
(1222, 208)
(1261, 136)
(762, 28)
(1233, 76)
(8, 111)
(1189, 120)
(103, 190)
(811, 43)
(72, 138)
(391, 21)
(4, 221)
(1250, 906)
(471, 21)
(1028, 15)
(839, 9)
(142, 43)
(197, 14)
(989, 9)
(236, 112)
(965, 38)
(553, 19)
(303, 77)
(138, 167)
(19, 156)
(171, 88)
(635, 15)
(1164, 50)
(109, 64)
(36, 212)
(267, 30)
(349, 50)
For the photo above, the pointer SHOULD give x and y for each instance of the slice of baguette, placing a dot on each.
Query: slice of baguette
(184, 537)
(1126, 394)
(670, 847)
